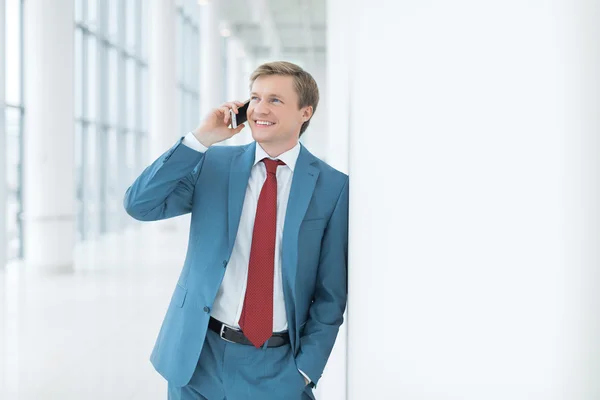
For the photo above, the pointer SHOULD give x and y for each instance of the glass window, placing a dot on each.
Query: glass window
(78, 147)
(196, 61)
(144, 12)
(91, 182)
(130, 155)
(188, 52)
(79, 10)
(91, 79)
(13, 226)
(113, 86)
(78, 73)
(130, 97)
(92, 14)
(131, 18)
(113, 18)
(187, 47)
(13, 147)
(144, 149)
(112, 95)
(182, 112)
(179, 49)
(79, 227)
(145, 102)
(111, 185)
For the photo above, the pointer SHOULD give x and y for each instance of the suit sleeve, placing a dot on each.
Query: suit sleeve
(165, 188)
(326, 313)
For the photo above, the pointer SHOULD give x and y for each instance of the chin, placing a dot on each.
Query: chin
(262, 136)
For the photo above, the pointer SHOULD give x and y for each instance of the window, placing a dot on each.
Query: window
(188, 54)
(111, 133)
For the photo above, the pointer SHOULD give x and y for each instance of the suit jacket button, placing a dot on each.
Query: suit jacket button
(206, 309)
(224, 263)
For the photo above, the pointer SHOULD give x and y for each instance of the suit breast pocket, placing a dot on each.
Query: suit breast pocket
(314, 224)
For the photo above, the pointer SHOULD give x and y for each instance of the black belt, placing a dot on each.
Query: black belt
(235, 336)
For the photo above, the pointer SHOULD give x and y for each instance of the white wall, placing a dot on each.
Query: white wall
(474, 198)
(316, 136)
(3, 190)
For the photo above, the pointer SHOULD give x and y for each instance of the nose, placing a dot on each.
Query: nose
(261, 108)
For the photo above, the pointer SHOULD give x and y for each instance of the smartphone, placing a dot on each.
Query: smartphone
(240, 117)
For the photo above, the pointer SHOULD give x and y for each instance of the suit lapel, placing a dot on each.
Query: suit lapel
(239, 174)
(303, 185)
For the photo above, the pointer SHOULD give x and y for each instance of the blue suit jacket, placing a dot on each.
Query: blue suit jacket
(212, 186)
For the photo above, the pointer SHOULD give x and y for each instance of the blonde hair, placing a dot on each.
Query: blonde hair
(304, 84)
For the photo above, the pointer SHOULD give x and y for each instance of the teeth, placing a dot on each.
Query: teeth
(264, 123)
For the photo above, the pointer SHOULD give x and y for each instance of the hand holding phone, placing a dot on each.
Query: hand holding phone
(240, 117)
(216, 126)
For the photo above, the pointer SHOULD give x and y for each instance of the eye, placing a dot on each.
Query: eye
(253, 98)
(277, 100)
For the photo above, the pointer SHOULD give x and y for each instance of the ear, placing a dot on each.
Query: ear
(307, 113)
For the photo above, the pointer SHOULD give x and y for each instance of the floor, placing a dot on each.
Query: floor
(89, 334)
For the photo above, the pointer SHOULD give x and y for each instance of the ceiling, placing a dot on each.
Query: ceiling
(294, 28)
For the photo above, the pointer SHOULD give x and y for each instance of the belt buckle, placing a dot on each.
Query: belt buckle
(221, 333)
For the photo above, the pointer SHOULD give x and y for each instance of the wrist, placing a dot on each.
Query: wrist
(202, 137)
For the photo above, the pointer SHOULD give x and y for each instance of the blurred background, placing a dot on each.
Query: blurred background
(470, 131)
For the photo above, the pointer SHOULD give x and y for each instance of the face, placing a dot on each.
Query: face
(273, 112)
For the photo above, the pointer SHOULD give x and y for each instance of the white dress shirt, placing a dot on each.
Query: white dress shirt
(229, 301)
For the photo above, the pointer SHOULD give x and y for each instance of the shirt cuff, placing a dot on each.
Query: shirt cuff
(307, 378)
(190, 141)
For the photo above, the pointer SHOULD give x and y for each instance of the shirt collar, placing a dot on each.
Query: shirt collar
(290, 157)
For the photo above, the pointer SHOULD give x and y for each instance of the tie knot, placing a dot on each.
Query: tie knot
(272, 165)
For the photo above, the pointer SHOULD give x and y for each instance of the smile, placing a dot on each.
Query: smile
(264, 123)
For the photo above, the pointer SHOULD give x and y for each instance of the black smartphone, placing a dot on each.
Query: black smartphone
(240, 117)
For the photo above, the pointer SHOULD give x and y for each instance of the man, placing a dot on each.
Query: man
(257, 307)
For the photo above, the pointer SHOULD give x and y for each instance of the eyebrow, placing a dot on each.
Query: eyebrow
(270, 95)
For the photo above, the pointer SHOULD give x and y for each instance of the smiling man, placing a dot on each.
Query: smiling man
(260, 298)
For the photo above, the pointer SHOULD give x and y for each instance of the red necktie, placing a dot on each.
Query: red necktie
(256, 320)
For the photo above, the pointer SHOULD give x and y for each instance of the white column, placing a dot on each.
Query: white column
(3, 190)
(162, 75)
(238, 78)
(316, 136)
(338, 83)
(235, 78)
(582, 175)
(49, 194)
(212, 90)
(234, 54)
(474, 199)
(334, 104)
(162, 71)
(247, 67)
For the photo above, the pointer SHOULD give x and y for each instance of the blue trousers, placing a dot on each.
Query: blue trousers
(234, 371)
